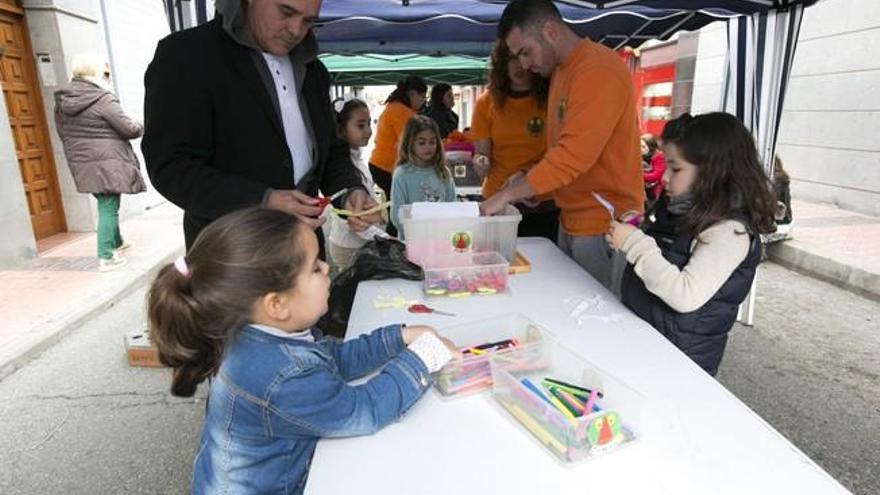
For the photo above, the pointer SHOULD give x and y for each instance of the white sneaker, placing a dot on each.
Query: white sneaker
(112, 263)
(124, 247)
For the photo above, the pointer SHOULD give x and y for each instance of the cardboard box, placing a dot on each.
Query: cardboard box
(141, 351)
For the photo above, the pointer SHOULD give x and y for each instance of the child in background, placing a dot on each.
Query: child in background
(421, 173)
(653, 169)
(782, 188)
(353, 121)
(690, 269)
(240, 307)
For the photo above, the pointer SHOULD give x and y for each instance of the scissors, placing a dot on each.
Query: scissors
(323, 202)
(634, 221)
(421, 308)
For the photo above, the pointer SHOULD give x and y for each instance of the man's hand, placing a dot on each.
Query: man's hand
(494, 205)
(359, 200)
(516, 179)
(304, 207)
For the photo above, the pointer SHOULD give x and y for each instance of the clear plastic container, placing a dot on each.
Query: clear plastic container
(472, 374)
(572, 436)
(438, 237)
(461, 275)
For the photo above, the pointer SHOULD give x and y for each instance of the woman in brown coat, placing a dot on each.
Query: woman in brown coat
(95, 133)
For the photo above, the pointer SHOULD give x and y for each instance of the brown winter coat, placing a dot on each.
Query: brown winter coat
(95, 133)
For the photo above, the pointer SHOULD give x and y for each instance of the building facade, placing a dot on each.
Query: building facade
(38, 199)
(828, 137)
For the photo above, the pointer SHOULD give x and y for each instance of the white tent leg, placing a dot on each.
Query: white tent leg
(746, 313)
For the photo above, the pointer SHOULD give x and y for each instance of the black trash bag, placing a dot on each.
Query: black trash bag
(379, 259)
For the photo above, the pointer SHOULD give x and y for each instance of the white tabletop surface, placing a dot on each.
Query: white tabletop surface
(695, 437)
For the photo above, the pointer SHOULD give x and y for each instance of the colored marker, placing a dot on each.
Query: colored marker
(534, 389)
(561, 407)
(591, 401)
(568, 407)
(493, 344)
(469, 385)
(571, 401)
(534, 427)
(570, 388)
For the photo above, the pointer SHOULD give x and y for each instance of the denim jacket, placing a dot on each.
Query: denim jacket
(273, 398)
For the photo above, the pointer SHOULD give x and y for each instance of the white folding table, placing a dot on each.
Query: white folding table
(695, 437)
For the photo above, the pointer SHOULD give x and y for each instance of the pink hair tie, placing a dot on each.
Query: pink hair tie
(180, 266)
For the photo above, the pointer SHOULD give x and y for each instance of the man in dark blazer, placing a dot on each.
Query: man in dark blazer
(219, 130)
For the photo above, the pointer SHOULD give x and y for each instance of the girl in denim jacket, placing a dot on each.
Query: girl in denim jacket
(240, 308)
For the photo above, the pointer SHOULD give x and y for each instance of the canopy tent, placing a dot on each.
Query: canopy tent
(761, 49)
(369, 70)
(370, 32)
(467, 27)
(762, 37)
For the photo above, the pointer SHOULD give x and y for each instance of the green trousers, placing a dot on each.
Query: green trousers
(109, 237)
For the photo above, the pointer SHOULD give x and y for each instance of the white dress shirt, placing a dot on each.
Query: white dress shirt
(295, 132)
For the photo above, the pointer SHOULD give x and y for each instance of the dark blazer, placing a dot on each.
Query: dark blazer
(214, 141)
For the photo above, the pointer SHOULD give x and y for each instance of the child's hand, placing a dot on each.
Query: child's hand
(411, 332)
(359, 200)
(631, 217)
(453, 349)
(618, 232)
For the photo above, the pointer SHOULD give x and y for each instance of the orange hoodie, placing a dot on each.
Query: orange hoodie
(592, 140)
(388, 133)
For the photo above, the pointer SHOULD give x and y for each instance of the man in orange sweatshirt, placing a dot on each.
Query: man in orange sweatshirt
(592, 135)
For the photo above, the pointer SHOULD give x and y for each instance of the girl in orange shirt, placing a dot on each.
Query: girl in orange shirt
(404, 102)
(508, 132)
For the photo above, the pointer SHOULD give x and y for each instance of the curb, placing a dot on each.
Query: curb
(791, 254)
(68, 325)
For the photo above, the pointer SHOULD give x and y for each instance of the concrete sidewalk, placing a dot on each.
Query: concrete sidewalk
(51, 295)
(838, 246)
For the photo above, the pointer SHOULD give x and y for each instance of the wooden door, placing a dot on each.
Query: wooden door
(21, 90)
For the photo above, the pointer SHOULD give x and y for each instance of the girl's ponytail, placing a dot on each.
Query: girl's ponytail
(176, 328)
(197, 303)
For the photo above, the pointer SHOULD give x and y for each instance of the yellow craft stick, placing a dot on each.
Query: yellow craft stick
(534, 427)
(558, 405)
(372, 210)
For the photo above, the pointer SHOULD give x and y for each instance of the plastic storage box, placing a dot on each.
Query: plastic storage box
(472, 374)
(439, 237)
(569, 437)
(460, 275)
(460, 163)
